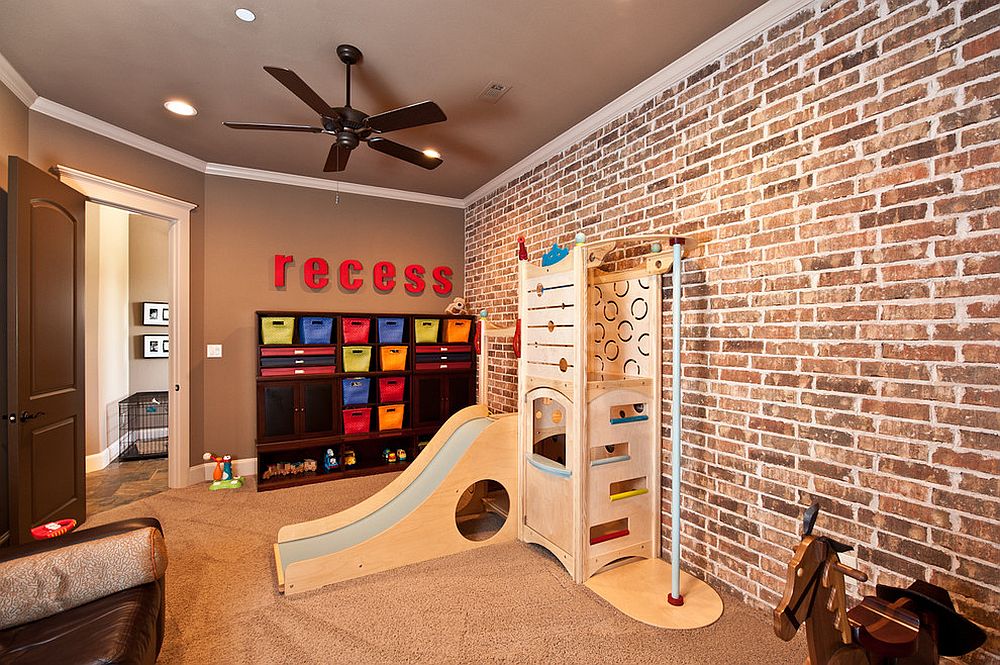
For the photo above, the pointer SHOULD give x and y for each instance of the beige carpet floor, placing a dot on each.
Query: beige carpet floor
(509, 603)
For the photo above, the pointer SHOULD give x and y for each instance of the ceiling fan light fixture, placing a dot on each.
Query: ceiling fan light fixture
(432, 153)
(179, 107)
(245, 15)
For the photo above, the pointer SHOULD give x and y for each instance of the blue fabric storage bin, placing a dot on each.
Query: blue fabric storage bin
(390, 331)
(356, 390)
(315, 329)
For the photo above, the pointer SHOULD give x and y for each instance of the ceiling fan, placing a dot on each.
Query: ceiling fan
(351, 126)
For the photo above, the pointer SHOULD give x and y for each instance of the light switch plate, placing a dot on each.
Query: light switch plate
(214, 351)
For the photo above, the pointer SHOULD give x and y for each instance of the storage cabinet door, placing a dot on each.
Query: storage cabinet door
(276, 409)
(460, 393)
(428, 399)
(317, 407)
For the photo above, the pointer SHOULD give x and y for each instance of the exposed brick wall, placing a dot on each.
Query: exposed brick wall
(842, 311)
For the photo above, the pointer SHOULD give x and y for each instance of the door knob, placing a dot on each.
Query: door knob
(12, 417)
(25, 416)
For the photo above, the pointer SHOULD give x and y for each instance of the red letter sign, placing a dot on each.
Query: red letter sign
(315, 273)
(385, 276)
(441, 276)
(414, 278)
(280, 261)
(347, 280)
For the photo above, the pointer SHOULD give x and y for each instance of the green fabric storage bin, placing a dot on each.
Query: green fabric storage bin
(277, 329)
(357, 358)
(426, 330)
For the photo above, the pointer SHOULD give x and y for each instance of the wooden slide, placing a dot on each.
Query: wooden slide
(417, 516)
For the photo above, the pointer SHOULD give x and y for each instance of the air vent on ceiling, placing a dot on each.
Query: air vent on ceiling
(493, 91)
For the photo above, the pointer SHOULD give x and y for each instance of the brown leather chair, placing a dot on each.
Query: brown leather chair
(124, 627)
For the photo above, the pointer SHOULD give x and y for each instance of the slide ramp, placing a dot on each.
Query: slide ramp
(413, 518)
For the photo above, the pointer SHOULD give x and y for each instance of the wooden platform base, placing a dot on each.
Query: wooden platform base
(639, 589)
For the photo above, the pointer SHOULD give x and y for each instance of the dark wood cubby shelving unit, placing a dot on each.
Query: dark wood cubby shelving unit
(300, 416)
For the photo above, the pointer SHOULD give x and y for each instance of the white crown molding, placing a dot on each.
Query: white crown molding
(16, 83)
(122, 195)
(115, 133)
(244, 173)
(767, 15)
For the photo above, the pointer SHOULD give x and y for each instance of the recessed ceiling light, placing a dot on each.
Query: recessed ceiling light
(245, 15)
(431, 152)
(179, 107)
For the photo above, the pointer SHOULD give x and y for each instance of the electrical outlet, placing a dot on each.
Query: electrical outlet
(214, 351)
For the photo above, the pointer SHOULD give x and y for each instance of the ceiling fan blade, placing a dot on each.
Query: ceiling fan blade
(273, 126)
(299, 88)
(337, 159)
(400, 151)
(414, 115)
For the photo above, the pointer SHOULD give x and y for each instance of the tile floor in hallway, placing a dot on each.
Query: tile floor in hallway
(124, 482)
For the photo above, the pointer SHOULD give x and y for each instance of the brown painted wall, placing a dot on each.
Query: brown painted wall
(249, 222)
(13, 130)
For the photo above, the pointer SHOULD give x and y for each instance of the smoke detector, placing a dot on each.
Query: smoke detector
(493, 91)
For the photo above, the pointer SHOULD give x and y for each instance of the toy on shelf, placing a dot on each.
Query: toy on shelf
(222, 476)
(401, 455)
(350, 459)
(290, 468)
(456, 307)
(389, 456)
(330, 462)
(915, 625)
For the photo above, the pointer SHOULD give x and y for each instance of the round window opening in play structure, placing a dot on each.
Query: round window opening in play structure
(482, 510)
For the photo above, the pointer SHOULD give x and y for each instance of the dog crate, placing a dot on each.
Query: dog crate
(142, 425)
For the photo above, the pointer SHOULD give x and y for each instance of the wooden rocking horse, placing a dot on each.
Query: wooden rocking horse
(815, 597)
(910, 626)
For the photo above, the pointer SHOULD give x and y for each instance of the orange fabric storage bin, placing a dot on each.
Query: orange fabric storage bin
(393, 358)
(390, 417)
(456, 331)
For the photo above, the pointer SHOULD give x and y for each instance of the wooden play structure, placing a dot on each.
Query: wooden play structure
(466, 473)
(589, 434)
(913, 626)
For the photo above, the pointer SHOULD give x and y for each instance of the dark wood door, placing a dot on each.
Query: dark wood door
(45, 316)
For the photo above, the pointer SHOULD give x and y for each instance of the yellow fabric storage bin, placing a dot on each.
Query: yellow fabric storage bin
(393, 358)
(456, 331)
(357, 358)
(390, 417)
(277, 329)
(426, 330)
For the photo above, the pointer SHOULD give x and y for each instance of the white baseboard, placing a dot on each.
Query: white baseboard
(100, 460)
(202, 472)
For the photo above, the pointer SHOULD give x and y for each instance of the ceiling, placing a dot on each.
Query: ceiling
(119, 60)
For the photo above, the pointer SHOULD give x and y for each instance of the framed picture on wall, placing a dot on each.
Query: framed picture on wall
(155, 314)
(155, 346)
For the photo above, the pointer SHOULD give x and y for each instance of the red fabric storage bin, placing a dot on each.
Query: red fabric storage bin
(390, 388)
(357, 421)
(356, 330)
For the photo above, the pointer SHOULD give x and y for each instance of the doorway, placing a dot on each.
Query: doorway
(123, 197)
(127, 300)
